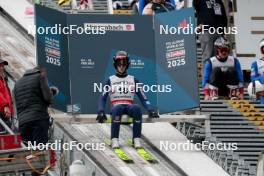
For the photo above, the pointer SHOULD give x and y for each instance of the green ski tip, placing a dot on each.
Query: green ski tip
(143, 153)
(122, 155)
(119, 152)
(146, 155)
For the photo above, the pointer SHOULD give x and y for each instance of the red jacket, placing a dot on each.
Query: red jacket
(5, 98)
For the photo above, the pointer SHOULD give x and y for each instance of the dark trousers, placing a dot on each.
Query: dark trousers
(221, 79)
(35, 131)
(133, 111)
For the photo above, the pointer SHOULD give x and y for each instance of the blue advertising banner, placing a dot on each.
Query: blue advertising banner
(52, 51)
(161, 59)
(91, 55)
(175, 51)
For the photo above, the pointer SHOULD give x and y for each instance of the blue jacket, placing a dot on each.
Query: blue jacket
(255, 76)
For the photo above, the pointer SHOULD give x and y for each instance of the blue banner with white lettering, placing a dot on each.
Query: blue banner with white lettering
(175, 47)
(79, 59)
(52, 52)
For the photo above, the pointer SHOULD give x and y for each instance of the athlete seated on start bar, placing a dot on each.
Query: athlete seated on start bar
(256, 88)
(122, 97)
(222, 74)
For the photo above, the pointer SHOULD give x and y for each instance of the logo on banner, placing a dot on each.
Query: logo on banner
(110, 26)
(184, 23)
(137, 63)
(54, 52)
(87, 63)
(175, 53)
(129, 27)
(74, 108)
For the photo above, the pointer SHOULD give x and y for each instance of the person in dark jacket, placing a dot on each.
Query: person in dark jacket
(210, 14)
(33, 96)
(157, 6)
(6, 107)
(142, 4)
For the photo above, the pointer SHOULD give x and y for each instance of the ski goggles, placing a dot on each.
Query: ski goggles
(262, 49)
(223, 49)
(121, 64)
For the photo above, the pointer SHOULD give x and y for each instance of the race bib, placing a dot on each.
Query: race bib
(217, 9)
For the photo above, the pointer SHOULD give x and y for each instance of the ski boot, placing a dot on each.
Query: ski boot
(213, 92)
(233, 92)
(115, 143)
(137, 143)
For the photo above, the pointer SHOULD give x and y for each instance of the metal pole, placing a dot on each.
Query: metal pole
(91, 118)
(9, 131)
(260, 165)
(207, 126)
(6, 127)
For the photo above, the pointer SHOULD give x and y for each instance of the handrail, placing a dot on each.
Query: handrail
(260, 165)
(110, 7)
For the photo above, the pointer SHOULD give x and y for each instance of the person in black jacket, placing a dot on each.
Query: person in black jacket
(210, 14)
(157, 6)
(33, 96)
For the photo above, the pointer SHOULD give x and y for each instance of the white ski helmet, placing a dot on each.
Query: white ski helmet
(77, 168)
(221, 42)
(261, 46)
(254, 87)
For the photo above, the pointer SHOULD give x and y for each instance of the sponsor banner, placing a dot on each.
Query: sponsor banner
(52, 53)
(91, 56)
(176, 61)
(80, 62)
(110, 26)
